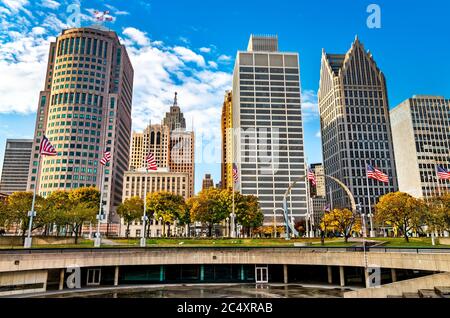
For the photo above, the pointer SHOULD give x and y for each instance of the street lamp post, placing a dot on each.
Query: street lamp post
(233, 226)
(227, 229)
(161, 228)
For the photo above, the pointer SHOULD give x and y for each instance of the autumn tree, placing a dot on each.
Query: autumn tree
(400, 210)
(210, 207)
(18, 205)
(249, 213)
(57, 205)
(342, 221)
(167, 206)
(438, 214)
(130, 210)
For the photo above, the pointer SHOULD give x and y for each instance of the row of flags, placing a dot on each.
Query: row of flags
(46, 149)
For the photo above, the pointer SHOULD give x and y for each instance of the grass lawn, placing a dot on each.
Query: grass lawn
(238, 242)
(414, 242)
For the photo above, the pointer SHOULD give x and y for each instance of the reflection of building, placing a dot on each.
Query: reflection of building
(157, 181)
(15, 165)
(268, 144)
(355, 125)
(85, 109)
(319, 189)
(208, 182)
(155, 140)
(420, 130)
(227, 125)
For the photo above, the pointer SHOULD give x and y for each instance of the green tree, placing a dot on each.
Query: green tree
(210, 207)
(438, 213)
(88, 195)
(400, 210)
(80, 213)
(130, 210)
(167, 206)
(57, 205)
(249, 213)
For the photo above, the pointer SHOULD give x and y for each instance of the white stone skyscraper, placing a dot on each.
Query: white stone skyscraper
(85, 109)
(267, 122)
(354, 117)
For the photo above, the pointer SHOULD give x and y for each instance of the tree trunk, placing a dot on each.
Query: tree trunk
(322, 237)
(76, 233)
(405, 233)
(128, 230)
(168, 230)
(210, 230)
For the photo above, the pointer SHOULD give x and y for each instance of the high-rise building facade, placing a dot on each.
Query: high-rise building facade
(355, 125)
(227, 125)
(421, 134)
(15, 165)
(207, 182)
(319, 189)
(155, 140)
(267, 122)
(181, 157)
(85, 109)
(174, 118)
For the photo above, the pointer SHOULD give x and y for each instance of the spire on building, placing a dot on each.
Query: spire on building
(175, 102)
(174, 119)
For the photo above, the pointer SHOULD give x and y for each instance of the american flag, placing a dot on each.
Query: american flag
(443, 174)
(151, 162)
(106, 158)
(46, 148)
(374, 173)
(235, 173)
(102, 16)
(312, 177)
(327, 208)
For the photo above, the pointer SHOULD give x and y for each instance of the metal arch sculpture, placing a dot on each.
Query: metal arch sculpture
(289, 225)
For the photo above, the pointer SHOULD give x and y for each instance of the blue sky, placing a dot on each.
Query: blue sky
(189, 47)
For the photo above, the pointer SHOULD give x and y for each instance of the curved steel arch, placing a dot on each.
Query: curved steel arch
(289, 225)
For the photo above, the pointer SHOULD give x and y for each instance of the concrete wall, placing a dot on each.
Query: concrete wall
(407, 286)
(17, 240)
(15, 283)
(21, 260)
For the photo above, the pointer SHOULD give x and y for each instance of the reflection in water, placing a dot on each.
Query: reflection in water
(217, 291)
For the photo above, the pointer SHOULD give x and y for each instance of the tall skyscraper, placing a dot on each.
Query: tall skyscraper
(207, 182)
(319, 190)
(354, 116)
(181, 157)
(155, 139)
(85, 109)
(227, 125)
(267, 123)
(15, 165)
(421, 134)
(174, 118)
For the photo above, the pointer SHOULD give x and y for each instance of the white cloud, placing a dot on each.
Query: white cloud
(318, 134)
(136, 36)
(212, 64)
(188, 55)
(22, 67)
(310, 108)
(15, 5)
(115, 11)
(205, 49)
(224, 58)
(51, 4)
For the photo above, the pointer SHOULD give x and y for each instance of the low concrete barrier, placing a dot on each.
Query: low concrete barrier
(37, 240)
(398, 288)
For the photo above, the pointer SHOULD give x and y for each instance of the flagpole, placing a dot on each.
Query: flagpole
(98, 239)
(233, 230)
(438, 182)
(307, 200)
(144, 217)
(372, 234)
(32, 213)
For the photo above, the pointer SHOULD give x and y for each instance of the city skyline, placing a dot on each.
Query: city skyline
(191, 52)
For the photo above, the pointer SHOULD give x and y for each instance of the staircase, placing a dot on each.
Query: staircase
(437, 292)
